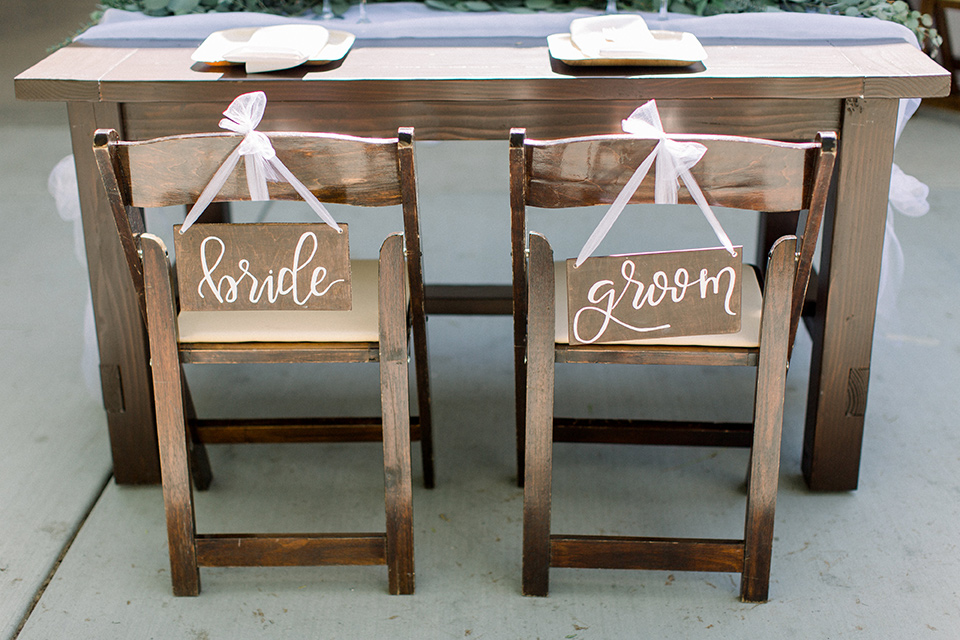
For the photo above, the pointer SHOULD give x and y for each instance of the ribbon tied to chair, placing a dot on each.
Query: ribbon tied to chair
(243, 116)
(674, 160)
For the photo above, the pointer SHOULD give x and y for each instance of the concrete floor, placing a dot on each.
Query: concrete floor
(83, 558)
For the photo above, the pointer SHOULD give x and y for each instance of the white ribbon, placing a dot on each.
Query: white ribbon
(908, 196)
(674, 160)
(260, 158)
(62, 185)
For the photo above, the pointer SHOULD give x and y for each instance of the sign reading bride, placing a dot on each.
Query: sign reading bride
(282, 267)
(653, 295)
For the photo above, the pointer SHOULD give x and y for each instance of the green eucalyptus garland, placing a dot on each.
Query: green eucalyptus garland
(893, 10)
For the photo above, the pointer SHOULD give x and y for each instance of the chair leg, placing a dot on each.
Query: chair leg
(395, 405)
(398, 484)
(519, 262)
(761, 503)
(411, 240)
(768, 422)
(171, 425)
(539, 395)
(423, 402)
(200, 464)
(178, 499)
(537, 490)
(520, 378)
(199, 460)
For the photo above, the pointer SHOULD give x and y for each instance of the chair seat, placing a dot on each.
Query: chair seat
(360, 324)
(748, 336)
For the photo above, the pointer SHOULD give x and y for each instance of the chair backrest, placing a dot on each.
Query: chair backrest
(170, 171)
(737, 172)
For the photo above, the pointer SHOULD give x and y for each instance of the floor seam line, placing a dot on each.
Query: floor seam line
(63, 553)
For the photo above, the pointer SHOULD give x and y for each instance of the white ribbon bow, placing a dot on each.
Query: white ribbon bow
(674, 160)
(260, 158)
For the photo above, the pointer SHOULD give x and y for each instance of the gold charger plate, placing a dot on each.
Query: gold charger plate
(673, 49)
(219, 43)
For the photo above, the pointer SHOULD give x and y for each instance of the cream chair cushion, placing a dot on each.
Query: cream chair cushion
(751, 300)
(360, 324)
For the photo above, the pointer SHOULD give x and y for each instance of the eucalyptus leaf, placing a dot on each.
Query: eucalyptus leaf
(180, 7)
(898, 11)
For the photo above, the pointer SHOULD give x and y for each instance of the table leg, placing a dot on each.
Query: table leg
(842, 329)
(124, 369)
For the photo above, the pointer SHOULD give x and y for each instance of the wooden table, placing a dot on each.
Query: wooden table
(478, 89)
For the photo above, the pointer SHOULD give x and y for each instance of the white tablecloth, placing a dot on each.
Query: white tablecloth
(416, 20)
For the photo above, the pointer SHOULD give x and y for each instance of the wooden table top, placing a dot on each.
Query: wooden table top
(491, 70)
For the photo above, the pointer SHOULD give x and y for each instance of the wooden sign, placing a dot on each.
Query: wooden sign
(281, 267)
(653, 295)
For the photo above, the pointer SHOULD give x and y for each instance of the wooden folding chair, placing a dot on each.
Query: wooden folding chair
(741, 173)
(372, 325)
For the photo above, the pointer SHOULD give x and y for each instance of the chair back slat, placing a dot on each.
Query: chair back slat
(743, 173)
(336, 168)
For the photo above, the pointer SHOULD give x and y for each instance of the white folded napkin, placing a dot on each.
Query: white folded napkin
(616, 36)
(279, 47)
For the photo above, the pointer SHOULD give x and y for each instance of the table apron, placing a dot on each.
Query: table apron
(781, 119)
